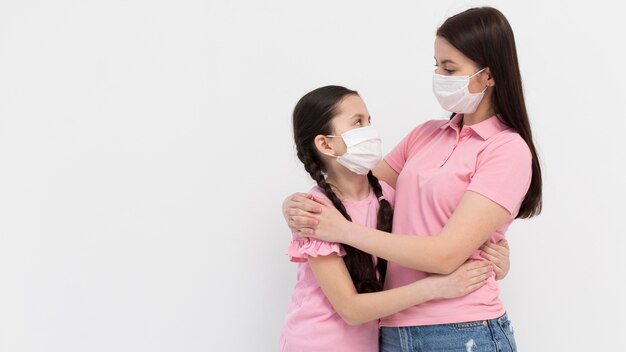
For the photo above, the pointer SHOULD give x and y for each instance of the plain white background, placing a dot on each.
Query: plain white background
(145, 150)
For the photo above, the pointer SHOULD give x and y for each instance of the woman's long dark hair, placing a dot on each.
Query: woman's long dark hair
(312, 117)
(484, 35)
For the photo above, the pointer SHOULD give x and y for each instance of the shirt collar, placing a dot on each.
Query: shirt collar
(454, 122)
(485, 129)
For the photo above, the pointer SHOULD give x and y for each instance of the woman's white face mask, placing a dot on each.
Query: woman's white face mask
(364, 150)
(453, 93)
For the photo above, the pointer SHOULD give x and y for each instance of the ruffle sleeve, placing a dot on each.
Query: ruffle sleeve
(301, 248)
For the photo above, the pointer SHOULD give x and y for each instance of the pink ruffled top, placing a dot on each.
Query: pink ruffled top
(312, 324)
(300, 248)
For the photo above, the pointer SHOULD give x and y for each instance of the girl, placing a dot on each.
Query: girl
(459, 183)
(338, 297)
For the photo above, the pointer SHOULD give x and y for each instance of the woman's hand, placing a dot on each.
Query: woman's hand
(466, 279)
(331, 224)
(309, 216)
(498, 254)
(298, 211)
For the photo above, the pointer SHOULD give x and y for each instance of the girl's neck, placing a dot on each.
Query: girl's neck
(347, 185)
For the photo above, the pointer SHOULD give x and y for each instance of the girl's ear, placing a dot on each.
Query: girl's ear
(489, 81)
(322, 143)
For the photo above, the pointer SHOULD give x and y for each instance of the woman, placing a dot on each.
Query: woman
(459, 183)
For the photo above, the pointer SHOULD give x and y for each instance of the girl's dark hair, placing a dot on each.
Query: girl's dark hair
(312, 117)
(484, 35)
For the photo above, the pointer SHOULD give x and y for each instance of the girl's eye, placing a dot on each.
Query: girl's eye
(358, 122)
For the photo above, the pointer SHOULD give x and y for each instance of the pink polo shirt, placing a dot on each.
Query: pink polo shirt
(437, 163)
(312, 324)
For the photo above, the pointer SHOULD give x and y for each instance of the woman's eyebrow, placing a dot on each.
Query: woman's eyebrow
(446, 61)
(358, 115)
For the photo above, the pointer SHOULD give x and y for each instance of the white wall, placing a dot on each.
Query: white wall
(145, 149)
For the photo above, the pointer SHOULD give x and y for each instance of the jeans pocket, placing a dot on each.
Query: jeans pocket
(507, 330)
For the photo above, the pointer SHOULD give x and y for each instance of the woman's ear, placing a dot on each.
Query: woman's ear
(322, 143)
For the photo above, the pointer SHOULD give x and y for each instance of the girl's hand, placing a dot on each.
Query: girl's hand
(466, 279)
(498, 254)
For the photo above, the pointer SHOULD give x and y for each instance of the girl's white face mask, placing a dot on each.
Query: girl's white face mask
(453, 94)
(363, 151)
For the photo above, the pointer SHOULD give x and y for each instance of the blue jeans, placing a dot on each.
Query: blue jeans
(485, 335)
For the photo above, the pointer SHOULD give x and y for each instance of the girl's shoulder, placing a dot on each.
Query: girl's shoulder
(317, 192)
(388, 192)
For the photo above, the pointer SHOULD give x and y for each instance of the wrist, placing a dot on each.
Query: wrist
(431, 288)
(345, 233)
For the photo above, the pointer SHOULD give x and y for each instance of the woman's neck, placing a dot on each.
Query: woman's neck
(484, 111)
(347, 185)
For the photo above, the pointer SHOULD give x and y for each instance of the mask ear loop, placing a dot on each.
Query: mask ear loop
(484, 68)
(331, 136)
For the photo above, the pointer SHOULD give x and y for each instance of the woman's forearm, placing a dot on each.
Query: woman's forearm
(472, 223)
(430, 254)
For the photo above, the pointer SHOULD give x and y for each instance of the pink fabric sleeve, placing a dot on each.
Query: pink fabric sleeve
(503, 172)
(301, 248)
(398, 156)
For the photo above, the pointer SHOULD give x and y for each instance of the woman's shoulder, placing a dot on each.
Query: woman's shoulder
(435, 123)
(423, 133)
(509, 140)
(429, 126)
(509, 145)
